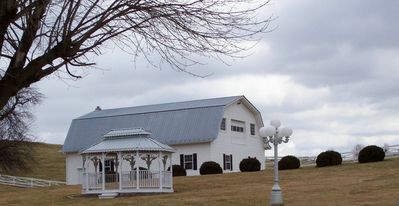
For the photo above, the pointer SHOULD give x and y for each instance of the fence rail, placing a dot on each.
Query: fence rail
(27, 182)
(391, 151)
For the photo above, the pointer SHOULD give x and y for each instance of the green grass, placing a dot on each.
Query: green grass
(348, 184)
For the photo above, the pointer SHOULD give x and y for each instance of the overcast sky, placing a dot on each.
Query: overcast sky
(330, 71)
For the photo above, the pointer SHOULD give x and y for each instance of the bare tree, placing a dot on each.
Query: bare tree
(40, 37)
(15, 119)
(44, 37)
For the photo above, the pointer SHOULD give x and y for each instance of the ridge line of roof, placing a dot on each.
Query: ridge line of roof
(82, 117)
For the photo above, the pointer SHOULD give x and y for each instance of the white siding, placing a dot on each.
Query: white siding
(73, 168)
(202, 150)
(240, 145)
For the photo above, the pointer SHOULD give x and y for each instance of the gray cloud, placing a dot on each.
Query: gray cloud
(330, 71)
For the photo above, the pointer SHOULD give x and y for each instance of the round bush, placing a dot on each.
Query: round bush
(249, 165)
(371, 153)
(210, 168)
(328, 158)
(288, 163)
(178, 171)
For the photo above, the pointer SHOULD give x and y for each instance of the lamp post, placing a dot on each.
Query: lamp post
(275, 135)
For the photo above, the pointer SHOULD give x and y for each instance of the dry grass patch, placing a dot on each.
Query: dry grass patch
(348, 184)
(48, 163)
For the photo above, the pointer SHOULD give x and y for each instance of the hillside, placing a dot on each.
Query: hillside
(349, 184)
(49, 163)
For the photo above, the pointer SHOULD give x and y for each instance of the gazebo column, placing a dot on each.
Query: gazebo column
(160, 170)
(120, 159)
(103, 170)
(137, 171)
(171, 170)
(85, 176)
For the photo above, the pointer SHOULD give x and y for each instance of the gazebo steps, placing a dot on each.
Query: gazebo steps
(107, 195)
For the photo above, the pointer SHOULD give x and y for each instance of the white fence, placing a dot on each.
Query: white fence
(27, 182)
(391, 151)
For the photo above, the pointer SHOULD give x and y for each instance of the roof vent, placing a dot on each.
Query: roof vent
(98, 108)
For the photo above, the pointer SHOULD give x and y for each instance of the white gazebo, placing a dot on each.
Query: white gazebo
(127, 161)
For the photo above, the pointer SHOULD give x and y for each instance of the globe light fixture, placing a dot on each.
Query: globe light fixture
(276, 135)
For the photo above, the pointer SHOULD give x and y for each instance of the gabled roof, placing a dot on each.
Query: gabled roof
(171, 123)
(128, 140)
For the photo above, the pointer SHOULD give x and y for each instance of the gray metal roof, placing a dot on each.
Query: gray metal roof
(128, 140)
(126, 132)
(172, 123)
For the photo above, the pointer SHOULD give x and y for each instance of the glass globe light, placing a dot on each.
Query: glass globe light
(286, 132)
(280, 132)
(267, 131)
(275, 123)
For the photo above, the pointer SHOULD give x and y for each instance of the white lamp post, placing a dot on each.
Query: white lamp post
(275, 135)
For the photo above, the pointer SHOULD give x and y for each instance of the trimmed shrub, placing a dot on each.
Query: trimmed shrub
(288, 163)
(249, 165)
(210, 167)
(371, 153)
(178, 171)
(328, 158)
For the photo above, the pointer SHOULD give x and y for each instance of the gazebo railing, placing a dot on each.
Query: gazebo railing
(147, 180)
(167, 179)
(129, 180)
(92, 181)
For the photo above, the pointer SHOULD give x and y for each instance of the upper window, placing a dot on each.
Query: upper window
(252, 129)
(188, 162)
(237, 126)
(223, 124)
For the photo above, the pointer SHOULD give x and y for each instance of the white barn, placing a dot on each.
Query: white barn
(224, 130)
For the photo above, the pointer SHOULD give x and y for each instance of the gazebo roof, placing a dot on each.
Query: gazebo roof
(131, 139)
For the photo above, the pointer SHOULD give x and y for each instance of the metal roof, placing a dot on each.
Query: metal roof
(126, 132)
(172, 123)
(162, 107)
(128, 140)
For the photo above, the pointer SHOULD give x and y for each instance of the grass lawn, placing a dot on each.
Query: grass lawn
(348, 184)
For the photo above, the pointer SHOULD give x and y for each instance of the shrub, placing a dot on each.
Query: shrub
(328, 158)
(371, 153)
(210, 168)
(289, 162)
(249, 165)
(178, 171)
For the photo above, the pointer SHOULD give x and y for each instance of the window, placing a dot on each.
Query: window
(188, 162)
(227, 162)
(252, 129)
(108, 166)
(223, 124)
(237, 128)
